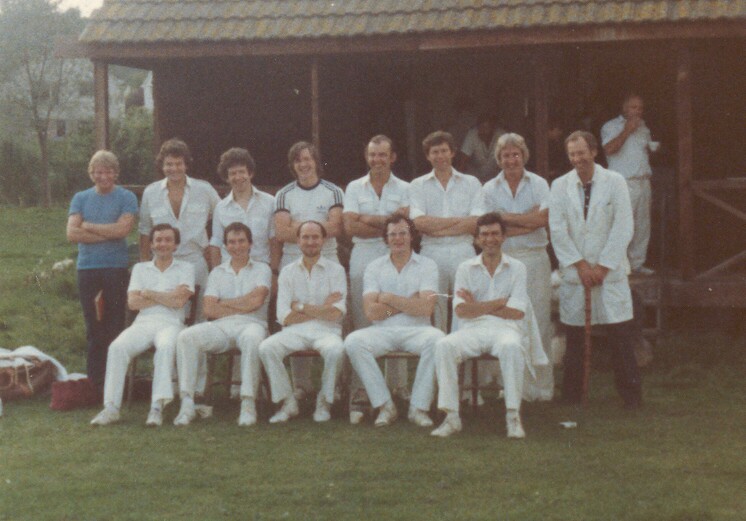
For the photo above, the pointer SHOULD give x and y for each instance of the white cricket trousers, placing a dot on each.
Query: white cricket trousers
(539, 289)
(447, 257)
(220, 336)
(363, 254)
(365, 345)
(298, 337)
(143, 334)
(640, 195)
(300, 368)
(502, 341)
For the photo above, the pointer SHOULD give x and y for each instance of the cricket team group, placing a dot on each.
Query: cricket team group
(416, 282)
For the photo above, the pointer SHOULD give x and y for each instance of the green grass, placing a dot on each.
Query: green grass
(680, 458)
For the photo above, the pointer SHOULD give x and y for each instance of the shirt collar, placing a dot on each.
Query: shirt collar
(504, 262)
(415, 257)
(226, 265)
(163, 183)
(392, 179)
(455, 174)
(323, 262)
(151, 265)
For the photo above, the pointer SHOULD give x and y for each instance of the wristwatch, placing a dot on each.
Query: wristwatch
(300, 307)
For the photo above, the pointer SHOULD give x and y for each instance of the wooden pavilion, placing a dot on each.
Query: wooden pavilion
(265, 73)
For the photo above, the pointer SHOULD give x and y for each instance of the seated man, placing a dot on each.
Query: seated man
(311, 297)
(236, 303)
(159, 290)
(491, 301)
(399, 295)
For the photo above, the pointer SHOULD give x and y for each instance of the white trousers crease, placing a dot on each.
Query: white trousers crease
(196, 342)
(139, 337)
(640, 195)
(365, 345)
(503, 342)
(327, 342)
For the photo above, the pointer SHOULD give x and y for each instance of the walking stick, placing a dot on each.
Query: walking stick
(587, 346)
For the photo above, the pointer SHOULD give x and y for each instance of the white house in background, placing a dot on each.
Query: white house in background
(147, 91)
(79, 106)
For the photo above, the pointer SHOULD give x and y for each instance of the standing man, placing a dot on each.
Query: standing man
(158, 290)
(522, 200)
(590, 219)
(311, 301)
(183, 202)
(236, 304)
(478, 148)
(368, 203)
(308, 198)
(399, 297)
(245, 204)
(627, 145)
(491, 301)
(440, 204)
(99, 221)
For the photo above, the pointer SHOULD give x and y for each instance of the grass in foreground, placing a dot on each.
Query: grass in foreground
(681, 458)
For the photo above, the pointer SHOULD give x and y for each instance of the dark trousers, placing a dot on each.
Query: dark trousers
(112, 282)
(621, 338)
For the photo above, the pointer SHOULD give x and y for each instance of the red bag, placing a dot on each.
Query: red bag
(74, 394)
(25, 380)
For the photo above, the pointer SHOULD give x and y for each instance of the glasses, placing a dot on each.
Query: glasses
(485, 235)
(397, 235)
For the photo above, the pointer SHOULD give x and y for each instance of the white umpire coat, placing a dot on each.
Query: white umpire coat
(602, 239)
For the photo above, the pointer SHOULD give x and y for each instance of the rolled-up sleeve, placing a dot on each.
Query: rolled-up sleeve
(284, 295)
(417, 205)
(339, 284)
(351, 198)
(518, 294)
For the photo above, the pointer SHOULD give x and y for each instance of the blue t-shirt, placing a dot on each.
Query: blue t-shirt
(103, 209)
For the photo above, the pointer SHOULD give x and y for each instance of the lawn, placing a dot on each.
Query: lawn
(680, 458)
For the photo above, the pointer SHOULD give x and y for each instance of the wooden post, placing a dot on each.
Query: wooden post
(541, 115)
(315, 121)
(101, 104)
(684, 129)
(158, 111)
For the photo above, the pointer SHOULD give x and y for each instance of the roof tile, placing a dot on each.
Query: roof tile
(132, 21)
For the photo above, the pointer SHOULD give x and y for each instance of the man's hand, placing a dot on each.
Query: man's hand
(466, 295)
(632, 124)
(586, 274)
(333, 298)
(599, 274)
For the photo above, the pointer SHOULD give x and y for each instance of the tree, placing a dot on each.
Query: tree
(32, 78)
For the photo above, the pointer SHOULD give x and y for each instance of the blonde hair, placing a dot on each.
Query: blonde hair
(103, 158)
(511, 140)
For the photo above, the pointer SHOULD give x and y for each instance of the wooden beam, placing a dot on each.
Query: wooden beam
(315, 114)
(142, 53)
(101, 104)
(720, 204)
(685, 155)
(159, 111)
(732, 261)
(541, 114)
(718, 292)
(732, 183)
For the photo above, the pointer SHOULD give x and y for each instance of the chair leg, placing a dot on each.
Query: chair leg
(131, 372)
(475, 385)
(208, 378)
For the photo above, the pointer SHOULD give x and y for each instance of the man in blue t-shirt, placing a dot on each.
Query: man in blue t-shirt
(99, 220)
